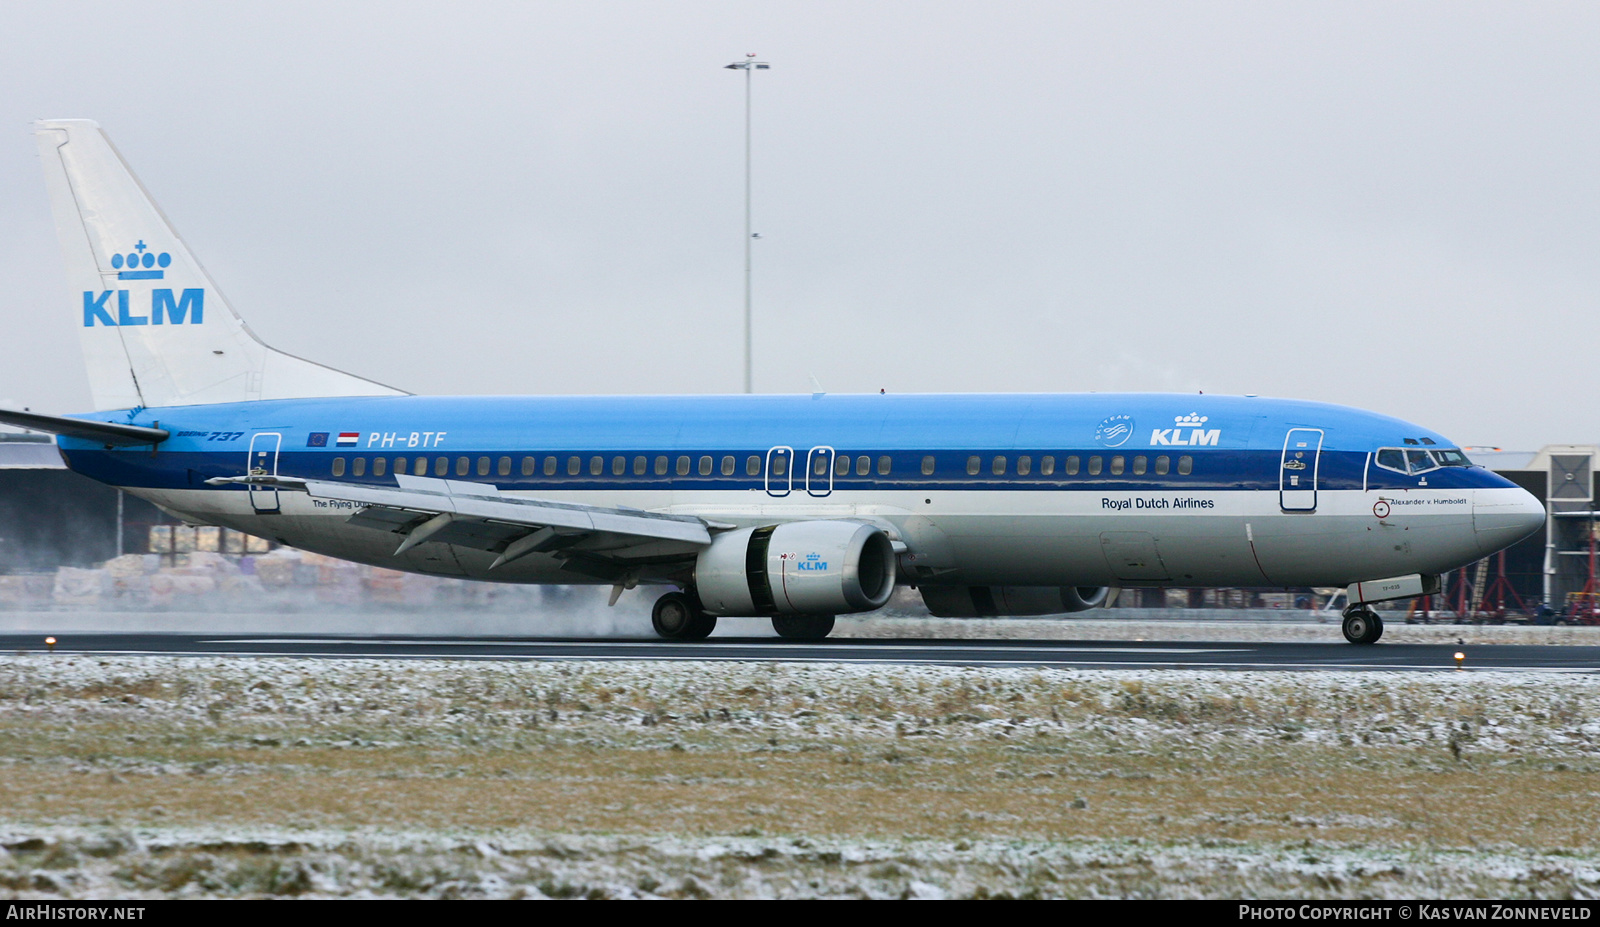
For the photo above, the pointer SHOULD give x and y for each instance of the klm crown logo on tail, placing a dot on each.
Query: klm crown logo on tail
(138, 258)
(164, 308)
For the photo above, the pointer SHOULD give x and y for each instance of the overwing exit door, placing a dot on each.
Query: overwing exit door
(780, 474)
(263, 461)
(1297, 470)
(819, 471)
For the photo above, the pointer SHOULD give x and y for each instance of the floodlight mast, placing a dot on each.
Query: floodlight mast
(747, 65)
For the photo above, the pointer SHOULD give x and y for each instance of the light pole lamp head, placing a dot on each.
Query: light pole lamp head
(747, 65)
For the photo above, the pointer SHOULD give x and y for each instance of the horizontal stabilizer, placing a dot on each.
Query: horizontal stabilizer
(109, 433)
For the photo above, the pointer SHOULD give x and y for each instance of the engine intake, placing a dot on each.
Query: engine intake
(1000, 601)
(799, 568)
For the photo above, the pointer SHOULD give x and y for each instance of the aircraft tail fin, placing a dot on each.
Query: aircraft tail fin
(154, 328)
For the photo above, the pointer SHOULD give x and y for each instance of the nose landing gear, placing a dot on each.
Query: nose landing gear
(1362, 625)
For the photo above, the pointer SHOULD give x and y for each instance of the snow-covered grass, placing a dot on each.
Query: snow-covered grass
(205, 776)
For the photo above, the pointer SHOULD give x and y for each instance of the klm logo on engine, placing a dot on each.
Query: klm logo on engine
(1187, 431)
(164, 308)
(813, 562)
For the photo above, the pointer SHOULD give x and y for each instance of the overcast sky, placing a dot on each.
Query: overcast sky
(1389, 205)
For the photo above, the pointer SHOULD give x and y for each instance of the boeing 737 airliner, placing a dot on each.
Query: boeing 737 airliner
(798, 508)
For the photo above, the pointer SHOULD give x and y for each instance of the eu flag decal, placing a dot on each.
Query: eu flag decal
(317, 439)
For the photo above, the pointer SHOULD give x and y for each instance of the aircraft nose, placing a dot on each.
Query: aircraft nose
(1502, 517)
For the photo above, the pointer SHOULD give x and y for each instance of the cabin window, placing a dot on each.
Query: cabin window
(705, 465)
(597, 465)
(503, 468)
(998, 466)
(574, 466)
(661, 466)
(483, 466)
(841, 465)
(1047, 466)
(1095, 465)
(358, 467)
(1071, 466)
(1118, 464)
(780, 464)
(441, 466)
(1024, 466)
(683, 466)
(549, 466)
(619, 466)
(1185, 465)
(640, 464)
(927, 465)
(462, 464)
(1163, 465)
(380, 466)
(338, 466)
(884, 463)
(728, 464)
(528, 465)
(752, 465)
(819, 465)
(974, 464)
(1140, 465)
(400, 465)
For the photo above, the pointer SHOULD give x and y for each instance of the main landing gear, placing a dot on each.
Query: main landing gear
(1362, 625)
(802, 627)
(678, 616)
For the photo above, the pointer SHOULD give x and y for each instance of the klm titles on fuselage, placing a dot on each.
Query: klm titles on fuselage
(1187, 431)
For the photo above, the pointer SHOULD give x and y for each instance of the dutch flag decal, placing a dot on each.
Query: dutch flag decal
(348, 438)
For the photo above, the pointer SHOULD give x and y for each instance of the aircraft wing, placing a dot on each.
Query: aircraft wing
(595, 540)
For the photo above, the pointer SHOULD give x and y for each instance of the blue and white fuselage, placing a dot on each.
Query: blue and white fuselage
(984, 490)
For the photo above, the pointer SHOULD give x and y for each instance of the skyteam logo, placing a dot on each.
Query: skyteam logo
(141, 264)
(1114, 431)
(1187, 431)
(164, 308)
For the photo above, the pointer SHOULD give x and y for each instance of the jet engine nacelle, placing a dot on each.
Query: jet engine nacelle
(999, 601)
(800, 568)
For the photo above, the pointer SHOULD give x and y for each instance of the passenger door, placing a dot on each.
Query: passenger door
(1297, 470)
(263, 461)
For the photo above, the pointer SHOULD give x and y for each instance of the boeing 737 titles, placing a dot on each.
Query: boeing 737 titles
(798, 508)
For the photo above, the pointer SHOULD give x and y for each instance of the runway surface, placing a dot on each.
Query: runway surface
(1252, 655)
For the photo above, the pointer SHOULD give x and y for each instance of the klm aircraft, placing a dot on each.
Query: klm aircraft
(797, 508)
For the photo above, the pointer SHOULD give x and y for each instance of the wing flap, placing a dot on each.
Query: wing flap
(480, 502)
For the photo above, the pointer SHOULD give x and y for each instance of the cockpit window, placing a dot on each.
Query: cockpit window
(1420, 461)
(1415, 460)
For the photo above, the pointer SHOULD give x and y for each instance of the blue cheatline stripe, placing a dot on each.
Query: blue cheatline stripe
(1213, 471)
